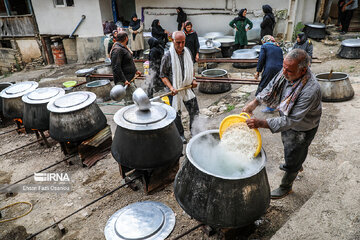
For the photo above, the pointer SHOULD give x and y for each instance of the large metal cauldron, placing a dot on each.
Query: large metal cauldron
(336, 89)
(75, 117)
(12, 105)
(315, 30)
(146, 139)
(36, 115)
(244, 54)
(208, 87)
(218, 201)
(101, 88)
(209, 49)
(350, 48)
(227, 43)
(2, 87)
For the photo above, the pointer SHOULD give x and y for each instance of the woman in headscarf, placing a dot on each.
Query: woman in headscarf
(240, 23)
(111, 41)
(155, 56)
(191, 41)
(159, 33)
(268, 23)
(270, 63)
(181, 18)
(303, 43)
(136, 36)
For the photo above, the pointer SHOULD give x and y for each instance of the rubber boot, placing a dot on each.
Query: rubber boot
(285, 186)
(282, 167)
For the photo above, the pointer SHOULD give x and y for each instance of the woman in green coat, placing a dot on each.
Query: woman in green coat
(240, 24)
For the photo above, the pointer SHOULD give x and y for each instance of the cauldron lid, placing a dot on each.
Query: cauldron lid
(351, 43)
(19, 89)
(244, 54)
(84, 72)
(142, 220)
(98, 83)
(315, 25)
(153, 115)
(43, 95)
(159, 116)
(71, 102)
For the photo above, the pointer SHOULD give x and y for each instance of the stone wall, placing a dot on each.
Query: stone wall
(8, 60)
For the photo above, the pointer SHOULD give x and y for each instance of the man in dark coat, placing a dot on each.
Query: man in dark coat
(268, 23)
(123, 65)
(155, 56)
(181, 18)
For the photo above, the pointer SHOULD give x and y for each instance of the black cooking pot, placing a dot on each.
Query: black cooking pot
(244, 54)
(36, 115)
(75, 117)
(213, 88)
(219, 200)
(146, 139)
(12, 105)
(350, 48)
(315, 30)
(2, 87)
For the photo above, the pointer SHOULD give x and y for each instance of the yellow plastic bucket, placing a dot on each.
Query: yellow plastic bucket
(241, 118)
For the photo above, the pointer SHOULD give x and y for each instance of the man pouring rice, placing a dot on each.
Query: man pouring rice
(295, 92)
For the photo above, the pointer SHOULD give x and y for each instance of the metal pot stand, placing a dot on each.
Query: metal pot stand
(142, 220)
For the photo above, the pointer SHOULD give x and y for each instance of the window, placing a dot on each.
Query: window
(64, 3)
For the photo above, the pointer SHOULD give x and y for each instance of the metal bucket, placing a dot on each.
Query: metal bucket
(218, 201)
(213, 88)
(336, 89)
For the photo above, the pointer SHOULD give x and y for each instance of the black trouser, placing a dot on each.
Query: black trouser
(296, 145)
(346, 19)
(192, 107)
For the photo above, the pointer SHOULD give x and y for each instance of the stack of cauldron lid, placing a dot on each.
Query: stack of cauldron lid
(350, 48)
(142, 220)
(315, 30)
(12, 105)
(36, 115)
(146, 139)
(75, 117)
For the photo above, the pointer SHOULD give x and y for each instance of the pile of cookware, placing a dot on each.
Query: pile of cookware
(350, 48)
(335, 86)
(209, 87)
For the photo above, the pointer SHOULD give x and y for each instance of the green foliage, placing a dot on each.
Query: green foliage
(298, 28)
(230, 107)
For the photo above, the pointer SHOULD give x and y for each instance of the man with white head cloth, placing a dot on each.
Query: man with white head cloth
(177, 71)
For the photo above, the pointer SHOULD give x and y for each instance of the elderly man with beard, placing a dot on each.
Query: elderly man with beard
(296, 94)
(177, 71)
